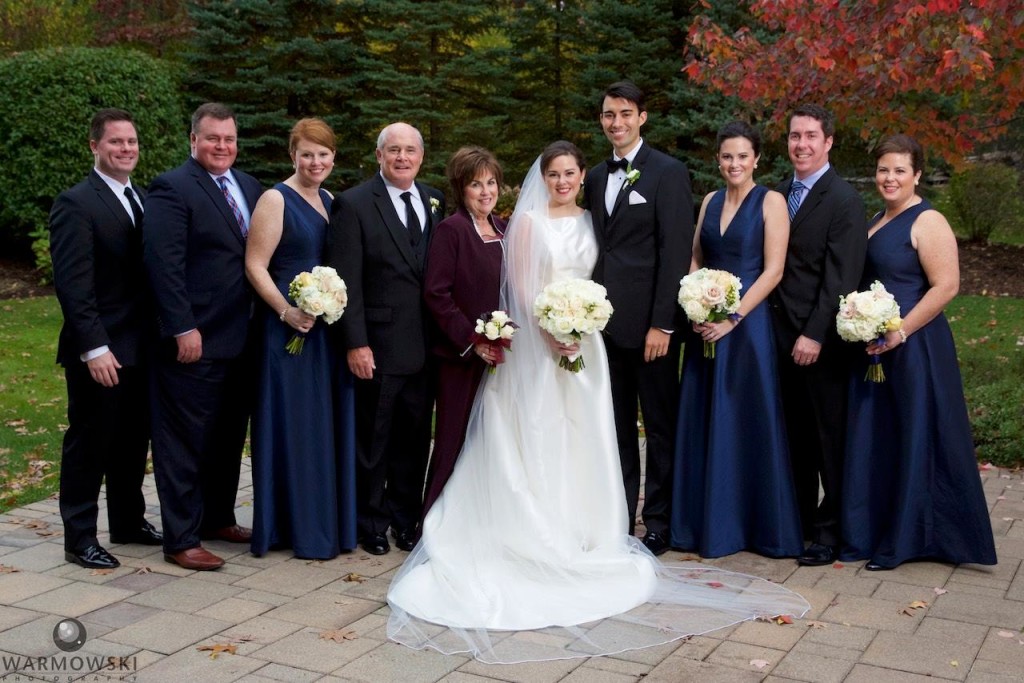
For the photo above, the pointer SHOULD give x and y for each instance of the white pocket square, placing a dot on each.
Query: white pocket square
(636, 198)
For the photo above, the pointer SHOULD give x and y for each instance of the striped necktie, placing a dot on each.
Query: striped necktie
(794, 198)
(223, 182)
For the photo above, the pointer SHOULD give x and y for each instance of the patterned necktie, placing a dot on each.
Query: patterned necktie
(794, 198)
(412, 221)
(223, 182)
(136, 209)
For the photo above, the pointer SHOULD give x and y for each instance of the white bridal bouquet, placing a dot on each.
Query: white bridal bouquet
(569, 309)
(709, 295)
(495, 328)
(318, 293)
(866, 317)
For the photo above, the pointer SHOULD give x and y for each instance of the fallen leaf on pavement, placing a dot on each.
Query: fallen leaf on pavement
(4, 569)
(783, 619)
(217, 649)
(353, 578)
(954, 663)
(1006, 634)
(715, 584)
(143, 570)
(817, 624)
(759, 663)
(339, 635)
(838, 565)
(940, 591)
(101, 572)
(918, 604)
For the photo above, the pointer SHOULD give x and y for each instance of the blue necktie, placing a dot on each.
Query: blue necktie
(223, 181)
(794, 198)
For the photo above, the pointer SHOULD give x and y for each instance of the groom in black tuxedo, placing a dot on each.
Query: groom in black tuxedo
(643, 218)
(827, 246)
(378, 243)
(96, 247)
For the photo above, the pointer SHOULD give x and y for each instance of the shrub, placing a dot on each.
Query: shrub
(47, 98)
(982, 200)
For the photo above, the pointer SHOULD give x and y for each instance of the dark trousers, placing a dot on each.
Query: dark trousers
(200, 417)
(392, 445)
(656, 386)
(108, 435)
(814, 399)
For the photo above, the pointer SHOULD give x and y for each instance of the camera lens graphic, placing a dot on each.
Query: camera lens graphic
(69, 634)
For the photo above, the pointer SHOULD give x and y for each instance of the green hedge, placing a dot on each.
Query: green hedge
(47, 98)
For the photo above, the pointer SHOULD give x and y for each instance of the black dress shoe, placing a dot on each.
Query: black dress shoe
(405, 539)
(93, 557)
(144, 535)
(375, 544)
(873, 566)
(818, 555)
(656, 542)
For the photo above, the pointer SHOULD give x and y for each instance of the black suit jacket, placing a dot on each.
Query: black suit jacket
(98, 273)
(195, 255)
(369, 246)
(644, 247)
(827, 244)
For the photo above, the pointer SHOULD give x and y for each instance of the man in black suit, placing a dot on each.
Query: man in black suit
(378, 242)
(827, 246)
(203, 381)
(96, 248)
(643, 217)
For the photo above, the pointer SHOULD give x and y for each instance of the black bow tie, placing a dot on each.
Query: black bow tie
(613, 165)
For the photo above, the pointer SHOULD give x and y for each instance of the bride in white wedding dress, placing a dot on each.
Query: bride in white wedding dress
(526, 555)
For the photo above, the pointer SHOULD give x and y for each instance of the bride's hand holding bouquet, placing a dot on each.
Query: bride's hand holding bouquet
(568, 309)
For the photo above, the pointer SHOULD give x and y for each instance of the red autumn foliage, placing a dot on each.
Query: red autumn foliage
(948, 72)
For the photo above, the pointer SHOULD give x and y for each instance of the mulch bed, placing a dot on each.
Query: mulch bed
(993, 270)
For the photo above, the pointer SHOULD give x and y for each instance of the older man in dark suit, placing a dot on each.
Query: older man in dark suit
(96, 248)
(827, 246)
(378, 243)
(197, 221)
(643, 217)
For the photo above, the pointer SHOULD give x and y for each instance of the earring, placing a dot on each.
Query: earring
(755, 165)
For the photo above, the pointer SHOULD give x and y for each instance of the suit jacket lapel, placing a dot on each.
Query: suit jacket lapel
(395, 227)
(217, 197)
(111, 201)
(814, 197)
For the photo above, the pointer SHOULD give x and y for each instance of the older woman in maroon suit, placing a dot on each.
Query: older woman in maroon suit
(462, 281)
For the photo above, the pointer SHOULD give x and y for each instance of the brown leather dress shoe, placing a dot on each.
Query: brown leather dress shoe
(197, 558)
(231, 534)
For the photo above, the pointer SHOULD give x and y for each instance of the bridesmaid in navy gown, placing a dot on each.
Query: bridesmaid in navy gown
(911, 487)
(733, 485)
(303, 439)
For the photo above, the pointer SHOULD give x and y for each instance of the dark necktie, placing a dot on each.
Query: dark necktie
(223, 182)
(136, 209)
(793, 202)
(412, 221)
(617, 164)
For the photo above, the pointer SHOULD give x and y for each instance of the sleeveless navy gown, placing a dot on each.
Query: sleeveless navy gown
(303, 428)
(733, 487)
(911, 487)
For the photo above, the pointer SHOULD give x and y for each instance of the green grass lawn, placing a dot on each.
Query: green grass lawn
(989, 334)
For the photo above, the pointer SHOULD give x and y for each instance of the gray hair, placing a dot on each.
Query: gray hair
(382, 139)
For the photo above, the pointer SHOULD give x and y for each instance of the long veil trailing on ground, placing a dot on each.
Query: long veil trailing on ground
(525, 556)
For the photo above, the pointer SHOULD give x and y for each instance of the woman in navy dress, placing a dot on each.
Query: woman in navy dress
(462, 281)
(911, 488)
(733, 485)
(303, 439)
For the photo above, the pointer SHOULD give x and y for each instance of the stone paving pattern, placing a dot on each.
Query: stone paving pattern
(274, 611)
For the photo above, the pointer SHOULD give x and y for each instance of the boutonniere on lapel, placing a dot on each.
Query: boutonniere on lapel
(435, 204)
(632, 175)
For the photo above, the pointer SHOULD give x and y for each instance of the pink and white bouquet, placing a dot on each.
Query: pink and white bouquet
(495, 328)
(320, 293)
(569, 309)
(709, 295)
(866, 317)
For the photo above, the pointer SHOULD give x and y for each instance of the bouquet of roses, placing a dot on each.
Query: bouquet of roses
(866, 317)
(496, 329)
(708, 295)
(569, 309)
(317, 293)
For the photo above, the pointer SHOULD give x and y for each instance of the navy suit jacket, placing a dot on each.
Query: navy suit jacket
(369, 246)
(644, 246)
(195, 256)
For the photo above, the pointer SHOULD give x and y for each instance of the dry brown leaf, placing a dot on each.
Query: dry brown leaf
(918, 604)
(817, 624)
(353, 578)
(339, 635)
(218, 648)
(143, 570)
(906, 610)
(101, 572)
(45, 532)
(4, 569)
(783, 619)
(838, 565)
